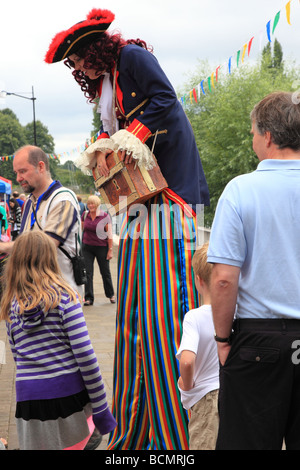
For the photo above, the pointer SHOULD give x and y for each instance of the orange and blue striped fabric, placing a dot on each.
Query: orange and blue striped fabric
(155, 290)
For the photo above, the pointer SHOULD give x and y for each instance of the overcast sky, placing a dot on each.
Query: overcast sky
(181, 33)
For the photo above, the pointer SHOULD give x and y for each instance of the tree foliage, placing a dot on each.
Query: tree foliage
(71, 177)
(221, 119)
(43, 138)
(272, 59)
(13, 136)
(96, 119)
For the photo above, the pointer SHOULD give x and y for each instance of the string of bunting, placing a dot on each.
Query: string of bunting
(58, 156)
(208, 84)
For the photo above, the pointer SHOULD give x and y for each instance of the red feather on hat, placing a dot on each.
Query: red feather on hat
(97, 14)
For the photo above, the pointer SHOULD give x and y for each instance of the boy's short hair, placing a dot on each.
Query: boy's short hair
(200, 265)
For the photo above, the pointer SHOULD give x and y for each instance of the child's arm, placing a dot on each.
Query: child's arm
(76, 329)
(187, 369)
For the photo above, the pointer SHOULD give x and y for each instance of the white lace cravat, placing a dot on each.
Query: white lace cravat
(106, 108)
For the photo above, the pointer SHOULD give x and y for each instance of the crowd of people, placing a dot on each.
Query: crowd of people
(10, 215)
(206, 337)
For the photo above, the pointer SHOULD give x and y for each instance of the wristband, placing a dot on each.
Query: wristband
(223, 340)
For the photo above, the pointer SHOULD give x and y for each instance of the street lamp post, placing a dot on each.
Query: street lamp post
(3, 94)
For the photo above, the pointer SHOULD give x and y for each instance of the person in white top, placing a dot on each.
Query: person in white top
(199, 364)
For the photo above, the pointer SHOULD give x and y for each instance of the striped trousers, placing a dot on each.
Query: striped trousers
(155, 290)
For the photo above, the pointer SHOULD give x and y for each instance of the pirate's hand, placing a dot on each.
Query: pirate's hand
(101, 162)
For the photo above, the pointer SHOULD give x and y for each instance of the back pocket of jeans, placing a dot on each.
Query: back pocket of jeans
(264, 355)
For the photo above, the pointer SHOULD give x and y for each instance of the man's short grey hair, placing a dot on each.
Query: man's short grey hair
(279, 114)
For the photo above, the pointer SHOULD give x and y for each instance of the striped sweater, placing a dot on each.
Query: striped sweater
(55, 358)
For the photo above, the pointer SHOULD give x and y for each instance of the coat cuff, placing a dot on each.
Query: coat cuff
(139, 130)
(124, 140)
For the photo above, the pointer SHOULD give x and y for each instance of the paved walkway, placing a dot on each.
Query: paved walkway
(100, 319)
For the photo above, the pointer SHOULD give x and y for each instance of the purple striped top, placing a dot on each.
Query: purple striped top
(54, 355)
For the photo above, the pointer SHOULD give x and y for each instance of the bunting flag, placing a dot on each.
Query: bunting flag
(249, 45)
(202, 87)
(195, 96)
(260, 40)
(209, 83)
(269, 30)
(288, 12)
(276, 19)
(240, 56)
(244, 52)
(229, 64)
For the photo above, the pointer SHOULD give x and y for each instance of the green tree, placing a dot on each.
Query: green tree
(221, 122)
(272, 59)
(96, 120)
(13, 136)
(43, 139)
(277, 55)
(69, 175)
(266, 57)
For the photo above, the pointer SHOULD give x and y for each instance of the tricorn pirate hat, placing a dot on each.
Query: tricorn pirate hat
(68, 42)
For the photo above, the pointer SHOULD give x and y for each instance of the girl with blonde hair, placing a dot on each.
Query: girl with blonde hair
(59, 389)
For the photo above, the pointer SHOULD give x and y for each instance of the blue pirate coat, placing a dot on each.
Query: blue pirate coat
(147, 102)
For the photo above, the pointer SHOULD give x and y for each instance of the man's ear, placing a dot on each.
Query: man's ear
(41, 166)
(268, 138)
(200, 280)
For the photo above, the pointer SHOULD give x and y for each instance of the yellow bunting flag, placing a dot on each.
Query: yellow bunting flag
(288, 12)
(244, 52)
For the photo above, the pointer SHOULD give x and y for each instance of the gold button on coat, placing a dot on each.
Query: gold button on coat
(133, 94)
